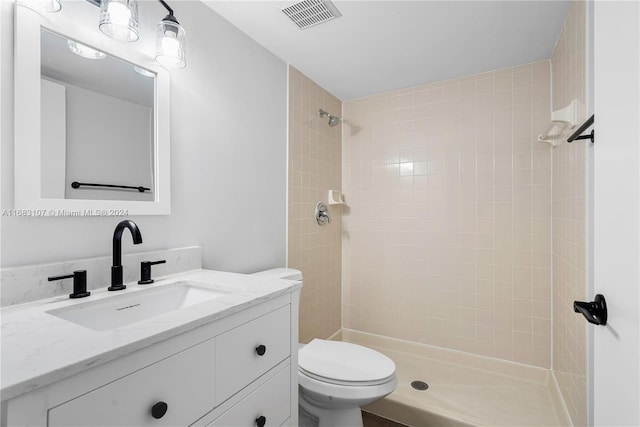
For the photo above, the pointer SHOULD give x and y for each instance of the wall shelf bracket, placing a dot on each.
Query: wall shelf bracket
(578, 133)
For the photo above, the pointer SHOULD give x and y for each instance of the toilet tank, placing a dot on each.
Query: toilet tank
(280, 273)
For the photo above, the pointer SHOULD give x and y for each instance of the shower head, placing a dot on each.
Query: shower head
(333, 120)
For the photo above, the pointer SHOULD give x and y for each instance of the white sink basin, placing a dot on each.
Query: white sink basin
(121, 310)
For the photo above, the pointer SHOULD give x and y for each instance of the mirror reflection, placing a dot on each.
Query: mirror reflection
(97, 124)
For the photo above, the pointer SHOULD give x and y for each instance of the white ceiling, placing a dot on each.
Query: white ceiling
(378, 46)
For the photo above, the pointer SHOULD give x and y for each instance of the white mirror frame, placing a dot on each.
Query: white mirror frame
(28, 191)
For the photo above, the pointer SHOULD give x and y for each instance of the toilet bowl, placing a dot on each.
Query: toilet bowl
(336, 378)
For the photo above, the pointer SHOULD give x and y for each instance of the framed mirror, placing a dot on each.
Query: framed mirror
(92, 121)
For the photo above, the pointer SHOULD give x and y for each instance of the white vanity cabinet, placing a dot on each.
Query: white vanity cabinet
(246, 352)
(239, 370)
(269, 402)
(183, 383)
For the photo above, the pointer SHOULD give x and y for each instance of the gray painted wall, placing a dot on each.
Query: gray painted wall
(228, 158)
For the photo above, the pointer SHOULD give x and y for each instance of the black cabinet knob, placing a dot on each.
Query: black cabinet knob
(261, 350)
(261, 421)
(158, 410)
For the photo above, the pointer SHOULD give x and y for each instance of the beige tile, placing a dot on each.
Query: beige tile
(311, 175)
(460, 149)
(569, 242)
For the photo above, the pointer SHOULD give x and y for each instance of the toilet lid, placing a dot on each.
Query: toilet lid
(341, 362)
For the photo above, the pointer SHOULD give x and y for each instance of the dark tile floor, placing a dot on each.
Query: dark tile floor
(371, 420)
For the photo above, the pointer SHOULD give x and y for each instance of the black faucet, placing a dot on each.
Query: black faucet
(116, 268)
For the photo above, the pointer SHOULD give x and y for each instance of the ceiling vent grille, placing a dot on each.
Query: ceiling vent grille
(308, 13)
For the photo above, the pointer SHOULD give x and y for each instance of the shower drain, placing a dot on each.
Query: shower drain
(419, 385)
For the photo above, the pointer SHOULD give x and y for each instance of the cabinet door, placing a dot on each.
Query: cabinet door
(183, 382)
(269, 405)
(250, 350)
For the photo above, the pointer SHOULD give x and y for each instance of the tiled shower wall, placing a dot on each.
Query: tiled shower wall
(569, 221)
(447, 234)
(315, 156)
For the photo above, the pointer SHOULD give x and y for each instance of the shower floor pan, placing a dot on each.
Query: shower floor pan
(463, 389)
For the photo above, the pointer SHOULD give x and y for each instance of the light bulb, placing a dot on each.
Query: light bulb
(120, 14)
(143, 72)
(170, 44)
(84, 51)
(119, 19)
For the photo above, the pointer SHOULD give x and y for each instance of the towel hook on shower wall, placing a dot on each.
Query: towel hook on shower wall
(582, 128)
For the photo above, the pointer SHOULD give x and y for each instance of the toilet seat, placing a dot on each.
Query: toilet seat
(322, 392)
(342, 382)
(344, 364)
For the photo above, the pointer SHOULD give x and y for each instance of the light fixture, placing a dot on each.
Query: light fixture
(143, 72)
(170, 41)
(84, 51)
(119, 19)
(49, 6)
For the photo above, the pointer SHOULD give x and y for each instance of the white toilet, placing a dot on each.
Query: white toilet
(336, 378)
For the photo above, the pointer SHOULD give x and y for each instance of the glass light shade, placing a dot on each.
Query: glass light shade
(49, 6)
(170, 44)
(84, 51)
(119, 19)
(143, 72)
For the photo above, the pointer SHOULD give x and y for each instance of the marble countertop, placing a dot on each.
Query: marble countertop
(38, 348)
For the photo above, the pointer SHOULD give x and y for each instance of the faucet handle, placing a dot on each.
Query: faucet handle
(322, 214)
(145, 271)
(79, 283)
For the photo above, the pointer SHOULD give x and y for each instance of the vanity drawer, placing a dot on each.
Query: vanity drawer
(184, 381)
(250, 350)
(271, 401)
